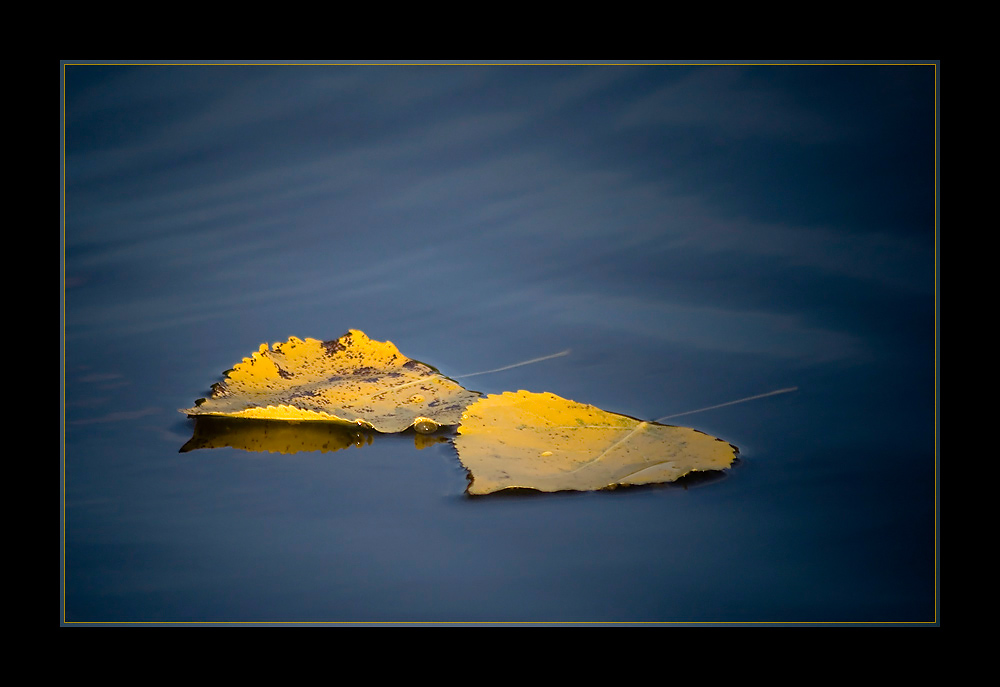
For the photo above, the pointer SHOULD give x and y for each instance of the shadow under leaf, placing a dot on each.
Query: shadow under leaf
(273, 437)
(279, 436)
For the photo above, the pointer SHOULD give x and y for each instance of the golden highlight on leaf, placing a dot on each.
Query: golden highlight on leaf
(547, 443)
(352, 380)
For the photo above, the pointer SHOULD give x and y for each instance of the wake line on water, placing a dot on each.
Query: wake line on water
(665, 417)
(730, 403)
(510, 367)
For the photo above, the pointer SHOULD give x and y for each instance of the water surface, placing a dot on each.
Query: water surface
(695, 234)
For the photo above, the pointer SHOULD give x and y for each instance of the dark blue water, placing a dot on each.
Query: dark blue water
(695, 234)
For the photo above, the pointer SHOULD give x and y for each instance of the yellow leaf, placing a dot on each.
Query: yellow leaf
(547, 443)
(352, 380)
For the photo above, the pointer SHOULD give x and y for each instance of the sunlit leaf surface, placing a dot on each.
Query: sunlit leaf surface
(352, 380)
(544, 442)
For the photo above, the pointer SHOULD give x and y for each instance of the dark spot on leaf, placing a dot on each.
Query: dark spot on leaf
(333, 347)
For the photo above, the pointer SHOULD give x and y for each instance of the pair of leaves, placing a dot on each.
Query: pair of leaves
(512, 440)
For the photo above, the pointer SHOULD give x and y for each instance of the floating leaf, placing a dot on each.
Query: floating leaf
(352, 380)
(547, 443)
